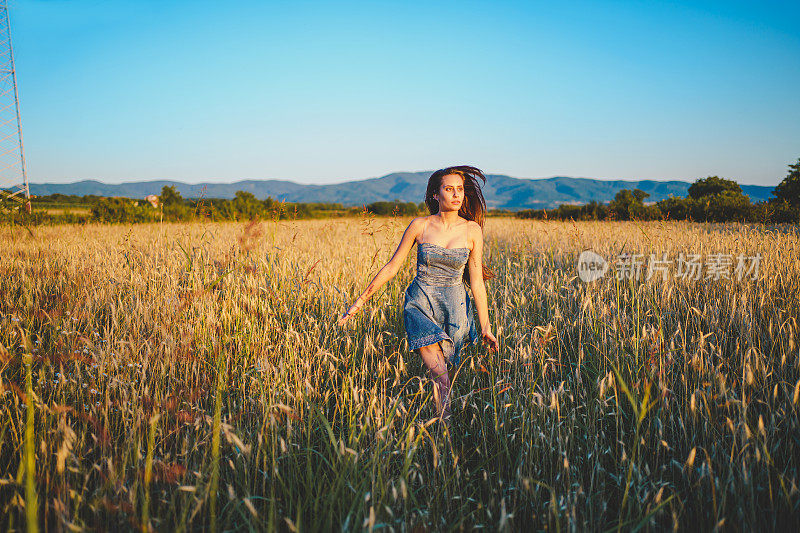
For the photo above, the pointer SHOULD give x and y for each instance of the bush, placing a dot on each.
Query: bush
(676, 208)
(393, 208)
(122, 210)
(728, 206)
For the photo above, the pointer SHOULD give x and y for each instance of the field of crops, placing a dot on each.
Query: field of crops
(192, 376)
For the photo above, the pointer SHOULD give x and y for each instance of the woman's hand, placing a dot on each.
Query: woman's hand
(350, 312)
(491, 341)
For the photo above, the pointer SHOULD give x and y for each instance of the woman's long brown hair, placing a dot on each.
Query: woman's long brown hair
(474, 206)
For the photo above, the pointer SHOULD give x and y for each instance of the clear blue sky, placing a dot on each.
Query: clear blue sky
(321, 92)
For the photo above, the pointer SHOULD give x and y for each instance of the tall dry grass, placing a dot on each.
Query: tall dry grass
(191, 377)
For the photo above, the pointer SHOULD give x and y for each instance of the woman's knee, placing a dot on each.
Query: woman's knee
(431, 352)
(434, 363)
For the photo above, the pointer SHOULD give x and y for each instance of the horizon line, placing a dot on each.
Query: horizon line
(367, 179)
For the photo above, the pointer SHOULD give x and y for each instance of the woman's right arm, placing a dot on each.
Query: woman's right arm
(390, 269)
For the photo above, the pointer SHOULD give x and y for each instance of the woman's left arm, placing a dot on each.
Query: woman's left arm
(478, 286)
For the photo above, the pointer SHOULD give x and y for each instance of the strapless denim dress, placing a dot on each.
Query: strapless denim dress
(437, 306)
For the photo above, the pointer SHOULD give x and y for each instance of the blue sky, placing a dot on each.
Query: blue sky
(322, 92)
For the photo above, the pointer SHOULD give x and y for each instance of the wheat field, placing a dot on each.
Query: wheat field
(184, 377)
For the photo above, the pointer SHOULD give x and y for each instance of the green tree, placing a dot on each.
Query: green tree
(174, 207)
(170, 196)
(718, 200)
(712, 185)
(247, 205)
(789, 189)
(628, 204)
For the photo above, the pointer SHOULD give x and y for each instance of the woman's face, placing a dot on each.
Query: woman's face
(451, 193)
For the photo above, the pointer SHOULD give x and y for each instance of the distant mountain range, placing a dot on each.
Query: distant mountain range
(500, 192)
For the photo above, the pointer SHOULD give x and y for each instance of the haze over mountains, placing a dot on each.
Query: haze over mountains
(500, 192)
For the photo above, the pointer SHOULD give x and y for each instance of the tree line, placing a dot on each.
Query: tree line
(170, 206)
(711, 199)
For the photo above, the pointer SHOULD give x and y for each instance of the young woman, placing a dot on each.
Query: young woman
(437, 310)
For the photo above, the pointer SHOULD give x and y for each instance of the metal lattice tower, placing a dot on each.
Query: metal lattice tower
(14, 189)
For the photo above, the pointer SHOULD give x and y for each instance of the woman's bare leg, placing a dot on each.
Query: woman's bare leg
(434, 359)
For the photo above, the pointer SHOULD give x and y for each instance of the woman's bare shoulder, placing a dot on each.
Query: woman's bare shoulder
(416, 225)
(417, 222)
(474, 228)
